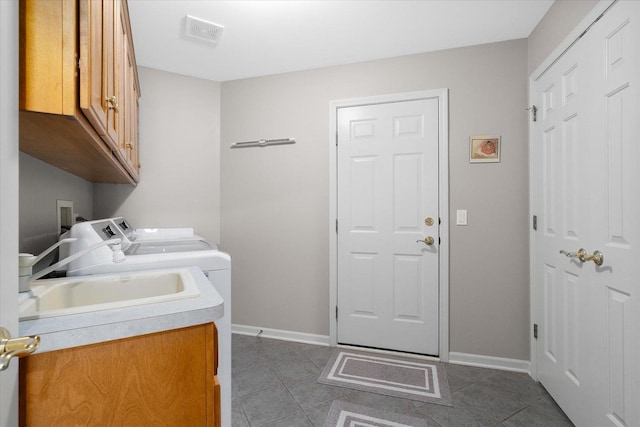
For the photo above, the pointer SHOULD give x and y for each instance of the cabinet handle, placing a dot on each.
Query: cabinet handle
(112, 103)
(129, 145)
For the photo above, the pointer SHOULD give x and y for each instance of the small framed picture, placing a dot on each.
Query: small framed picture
(484, 149)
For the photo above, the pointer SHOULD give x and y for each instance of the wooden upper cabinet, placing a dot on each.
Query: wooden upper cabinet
(74, 104)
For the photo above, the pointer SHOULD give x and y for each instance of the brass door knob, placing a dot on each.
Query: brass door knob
(15, 347)
(427, 241)
(597, 257)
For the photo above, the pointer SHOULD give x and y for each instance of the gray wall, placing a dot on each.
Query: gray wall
(275, 200)
(558, 22)
(179, 157)
(40, 186)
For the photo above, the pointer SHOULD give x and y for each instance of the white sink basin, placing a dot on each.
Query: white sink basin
(73, 295)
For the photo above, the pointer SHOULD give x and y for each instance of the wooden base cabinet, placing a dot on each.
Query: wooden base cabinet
(162, 379)
(79, 88)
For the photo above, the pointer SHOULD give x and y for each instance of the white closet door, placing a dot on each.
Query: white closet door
(562, 284)
(587, 195)
(613, 134)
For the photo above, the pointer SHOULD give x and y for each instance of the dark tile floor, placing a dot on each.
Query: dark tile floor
(275, 385)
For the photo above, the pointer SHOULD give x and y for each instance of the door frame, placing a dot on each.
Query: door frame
(443, 204)
(9, 184)
(534, 179)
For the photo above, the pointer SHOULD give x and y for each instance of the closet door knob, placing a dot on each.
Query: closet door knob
(15, 347)
(597, 257)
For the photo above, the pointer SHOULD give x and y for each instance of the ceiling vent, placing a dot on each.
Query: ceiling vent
(203, 30)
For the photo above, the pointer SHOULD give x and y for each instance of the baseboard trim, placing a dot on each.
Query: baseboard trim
(492, 362)
(280, 334)
(505, 364)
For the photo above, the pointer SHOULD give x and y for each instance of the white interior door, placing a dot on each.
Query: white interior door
(614, 103)
(9, 201)
(585, 166)
(562, 285)
(387, 167)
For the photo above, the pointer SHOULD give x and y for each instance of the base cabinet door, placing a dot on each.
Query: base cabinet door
(161, 379)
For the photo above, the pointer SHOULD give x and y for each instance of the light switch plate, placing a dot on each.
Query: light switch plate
(461, 217)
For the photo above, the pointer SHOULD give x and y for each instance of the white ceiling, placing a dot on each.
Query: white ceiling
(270, 37)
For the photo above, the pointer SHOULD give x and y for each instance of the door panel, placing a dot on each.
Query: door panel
(387, 186)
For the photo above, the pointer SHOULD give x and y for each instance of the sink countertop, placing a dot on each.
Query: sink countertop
(57, 333)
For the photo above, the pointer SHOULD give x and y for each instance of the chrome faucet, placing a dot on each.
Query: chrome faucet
(27, 261)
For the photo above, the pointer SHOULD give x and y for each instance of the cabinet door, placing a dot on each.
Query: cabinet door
(161, 379)
(97, 78)
(111, 80)
(48, 61)
(121, 80)
(131, 130)
(128, 94)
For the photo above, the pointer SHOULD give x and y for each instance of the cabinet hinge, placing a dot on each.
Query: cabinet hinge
(534, 111)
(535, 330)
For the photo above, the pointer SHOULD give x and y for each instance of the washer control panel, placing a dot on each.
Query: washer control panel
(107, 230)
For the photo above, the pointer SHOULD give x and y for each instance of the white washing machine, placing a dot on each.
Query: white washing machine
(146, 249)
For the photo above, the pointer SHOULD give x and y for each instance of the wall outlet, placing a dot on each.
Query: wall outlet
(64, 209)
(461, 217)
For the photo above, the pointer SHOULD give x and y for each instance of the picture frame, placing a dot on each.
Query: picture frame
(484, 149)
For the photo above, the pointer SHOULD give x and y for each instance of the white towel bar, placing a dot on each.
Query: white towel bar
(263, 142)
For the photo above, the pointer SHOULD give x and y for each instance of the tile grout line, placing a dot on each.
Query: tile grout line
(294, 398)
